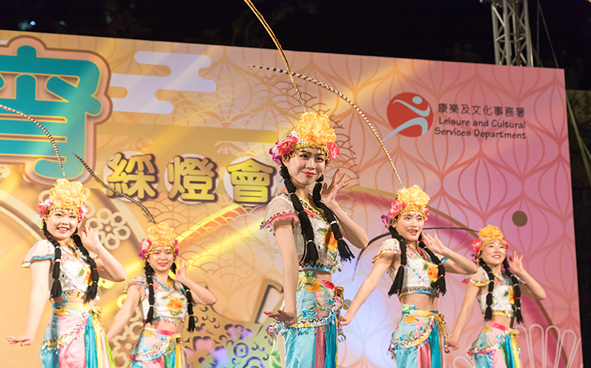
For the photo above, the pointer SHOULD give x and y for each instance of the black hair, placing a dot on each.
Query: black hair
(56, 287)
(310, 255)
(92, 289)
(398, 280)
(150, 280)
(189, 296)
(149, 271)
(439, 285)
(491, 287)
(344, 251)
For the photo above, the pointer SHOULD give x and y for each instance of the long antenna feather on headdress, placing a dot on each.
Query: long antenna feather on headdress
(49, 136)
(335, 91)
(278, 45)
(133, 200)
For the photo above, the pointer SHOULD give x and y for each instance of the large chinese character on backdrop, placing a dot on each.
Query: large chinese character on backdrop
(66, 91)
(191, 178)
(134, 174)
(252, 181)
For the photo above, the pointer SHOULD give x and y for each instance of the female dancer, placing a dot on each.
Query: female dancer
(415, 264)
(75, 335)
(499, 295)
(164, 303)
(309, 229)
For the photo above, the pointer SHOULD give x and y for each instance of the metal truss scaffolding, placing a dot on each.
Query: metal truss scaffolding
(512, 35)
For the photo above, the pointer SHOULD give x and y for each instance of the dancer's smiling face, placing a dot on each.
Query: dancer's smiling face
(410, 225)
(61, 223)
(494, 253)
(306, 166)
(161, 259)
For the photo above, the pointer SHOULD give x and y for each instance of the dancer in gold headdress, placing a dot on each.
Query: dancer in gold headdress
(75, 336)
(498, 291)
(417, 264)
(165, 303)
(309, 228)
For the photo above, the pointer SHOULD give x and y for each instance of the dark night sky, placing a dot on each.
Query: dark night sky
(450, 30)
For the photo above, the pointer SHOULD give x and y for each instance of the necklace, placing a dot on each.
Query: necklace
(169, 289)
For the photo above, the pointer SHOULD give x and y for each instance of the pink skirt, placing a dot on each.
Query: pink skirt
(75, 338)
(158, 349)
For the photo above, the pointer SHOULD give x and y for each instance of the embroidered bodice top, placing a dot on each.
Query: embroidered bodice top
(74, 271)
(502, 292)
(326, 244)
(170, 304)
(419, 272)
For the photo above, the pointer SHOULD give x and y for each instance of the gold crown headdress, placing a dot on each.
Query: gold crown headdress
(160, 235)
(408, 199)
(487, 235)
(313, 131)
(65, 195)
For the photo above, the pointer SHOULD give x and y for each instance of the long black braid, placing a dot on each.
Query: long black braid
(151, 299)
(344, 251)
(491, 287)
(150, 280)
(516, 292)
(310, 255)
(439, 285)
(399, 279)
(56, 287)
(190, 302)
(92, 289)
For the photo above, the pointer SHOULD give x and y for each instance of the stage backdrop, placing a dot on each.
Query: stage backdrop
(186, 129)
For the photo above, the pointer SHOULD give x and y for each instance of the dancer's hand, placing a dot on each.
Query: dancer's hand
(329, 192)
(434, 244)
(181, 271)
(283, 316)
(453, 344)
(90, 239)
(515, 264)
(346, 319)
(25, 340)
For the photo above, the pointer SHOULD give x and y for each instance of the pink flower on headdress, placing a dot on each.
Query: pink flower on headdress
(286, 146)
(83, 211)
(282, 148)
(427, 212)
(506, 243)
(476, 244)
(274, 154)
(176, 247)
(145, 245)
(396, 207)
(333, 150)
(44, 207)
(386, 220)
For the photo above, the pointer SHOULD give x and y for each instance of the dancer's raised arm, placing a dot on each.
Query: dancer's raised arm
(351, 230)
